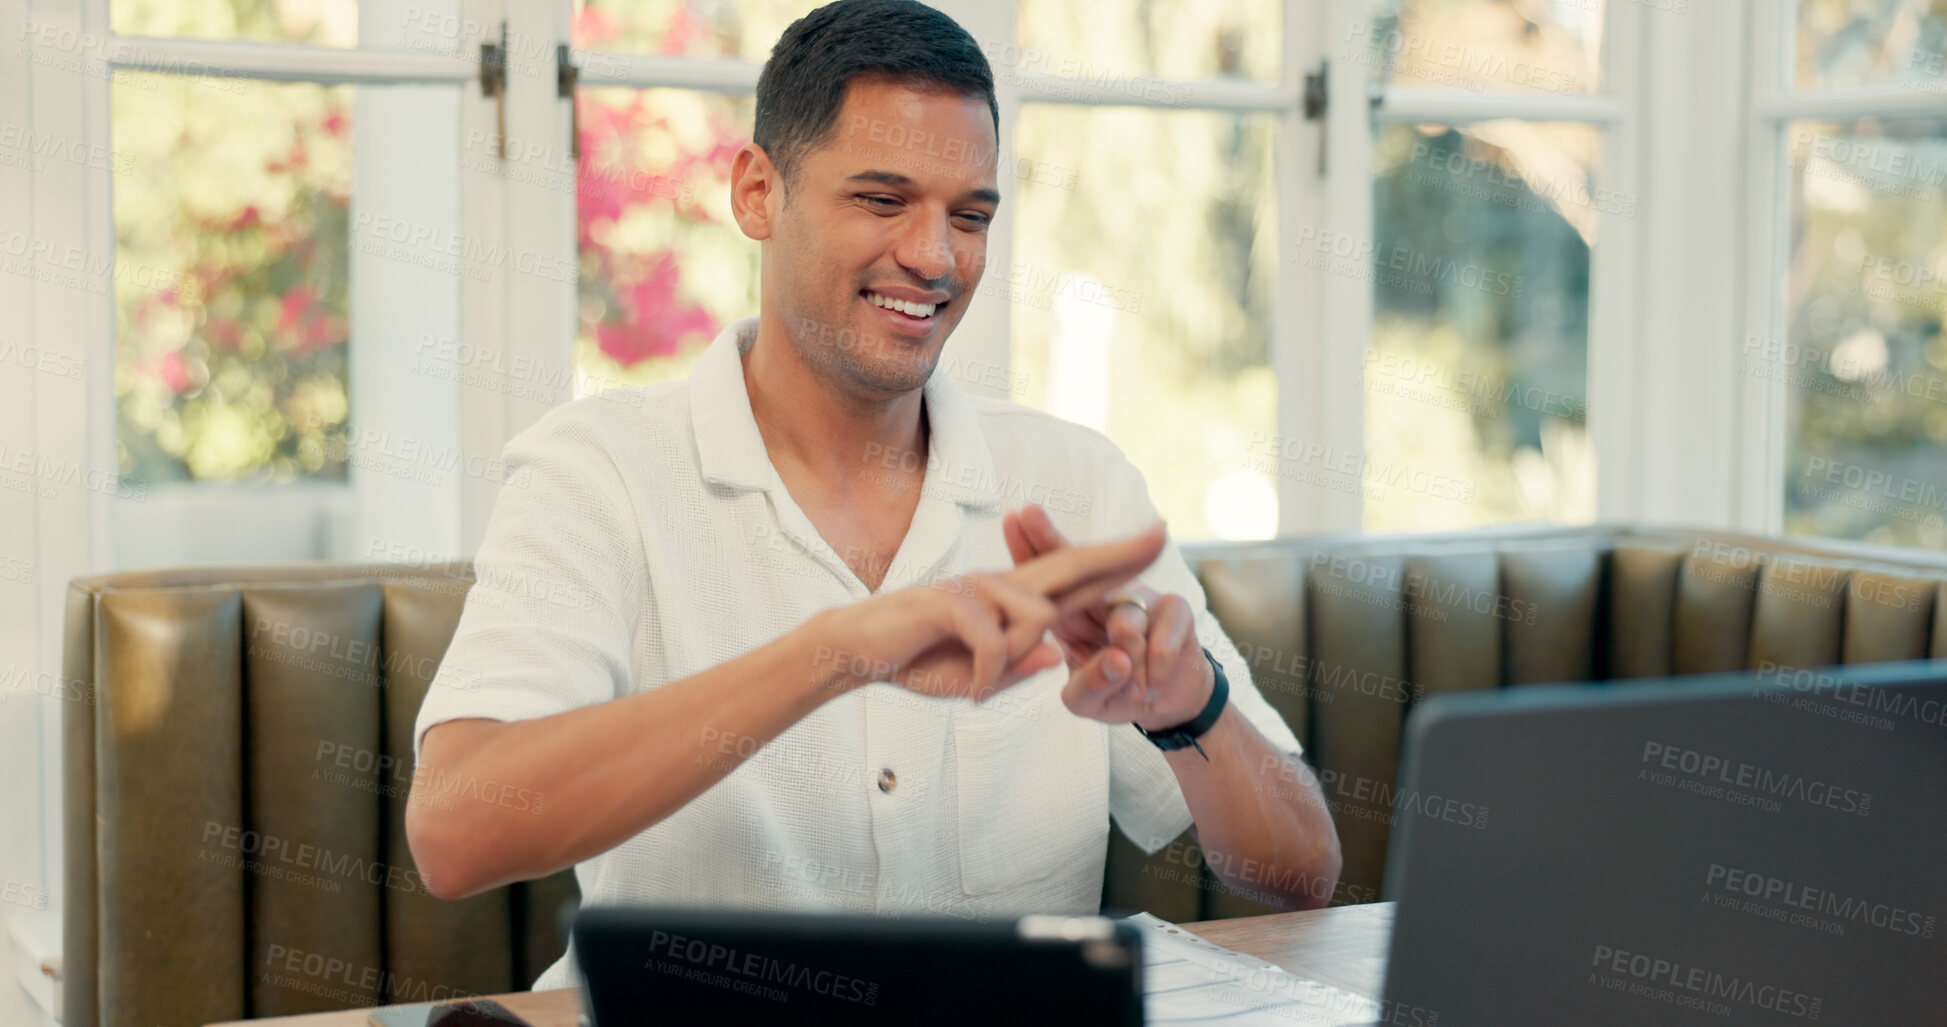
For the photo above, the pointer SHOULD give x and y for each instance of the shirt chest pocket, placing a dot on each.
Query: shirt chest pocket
(1032, 790)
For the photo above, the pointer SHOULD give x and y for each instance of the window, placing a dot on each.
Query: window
(1173, 271)
(232, 298)
(1201, 272)
(1141, 301)
(1485, 227)
(316, 23)
(1838, 43)
(1860, 355)
(288, 248)
(663, 267)
(1139, 43)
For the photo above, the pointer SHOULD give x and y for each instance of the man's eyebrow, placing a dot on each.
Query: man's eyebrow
(897, 180)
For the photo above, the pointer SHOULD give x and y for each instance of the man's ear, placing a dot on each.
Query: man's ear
(756, 192)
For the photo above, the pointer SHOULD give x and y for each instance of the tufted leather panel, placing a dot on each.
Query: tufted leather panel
(80, 910)
(168, 764)
(1643, 596)
(1359, 632)
(1260, 601)
(1799, 613)
(1454, 647)
(312, 690)
(1549, 615)
(466, 944)
(1940, 622)
(1886, 617)
(235, 800)
(1713, 615)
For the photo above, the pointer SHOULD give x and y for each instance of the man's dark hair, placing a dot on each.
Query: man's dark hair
(803, 83)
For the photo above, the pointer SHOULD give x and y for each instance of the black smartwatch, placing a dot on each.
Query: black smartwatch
(1185, 735)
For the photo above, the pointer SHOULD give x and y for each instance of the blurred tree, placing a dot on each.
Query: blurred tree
(230, 277)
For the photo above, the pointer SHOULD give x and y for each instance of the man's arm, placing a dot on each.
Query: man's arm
(603, 773)
(608, 771)
(1259, 814)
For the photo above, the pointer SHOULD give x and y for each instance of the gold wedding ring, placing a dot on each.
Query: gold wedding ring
(1131, 598)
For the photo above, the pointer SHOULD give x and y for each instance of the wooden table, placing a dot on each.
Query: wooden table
(1344, 946)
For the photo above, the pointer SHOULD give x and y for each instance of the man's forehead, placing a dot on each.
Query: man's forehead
(918, 133)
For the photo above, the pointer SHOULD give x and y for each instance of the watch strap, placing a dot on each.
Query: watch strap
(1185, 735)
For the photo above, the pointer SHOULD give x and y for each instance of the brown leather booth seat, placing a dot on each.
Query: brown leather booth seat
(240, 745)
(237, 763)
(1346, 634)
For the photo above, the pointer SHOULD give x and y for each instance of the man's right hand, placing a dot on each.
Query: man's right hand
(971, 636)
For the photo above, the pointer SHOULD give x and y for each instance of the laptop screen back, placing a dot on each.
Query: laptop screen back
(1766, 849)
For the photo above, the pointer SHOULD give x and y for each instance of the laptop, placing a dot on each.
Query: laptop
(1764, 848)
(653, 965)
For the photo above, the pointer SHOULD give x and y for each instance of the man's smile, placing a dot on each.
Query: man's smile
(908, 311)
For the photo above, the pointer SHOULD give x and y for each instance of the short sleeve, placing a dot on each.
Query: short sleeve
(548, 624)
(1143, 794)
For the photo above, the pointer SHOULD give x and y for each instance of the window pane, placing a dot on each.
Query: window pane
(1114, 41)
(745, 29)
(1864, 361)
(1476, 378)
(230, 277)
(1141, 298)
(1487, 46)
(1855, 42)
(317, 22)
(663, 265)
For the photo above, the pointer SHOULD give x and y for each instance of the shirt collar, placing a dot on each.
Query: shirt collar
(960, 466)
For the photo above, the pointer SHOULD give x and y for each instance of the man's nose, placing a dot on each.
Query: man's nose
(926, 249)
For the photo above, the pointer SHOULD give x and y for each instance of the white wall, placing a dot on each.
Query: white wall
(47, 519)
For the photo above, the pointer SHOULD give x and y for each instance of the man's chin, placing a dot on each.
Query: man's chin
(893, 364)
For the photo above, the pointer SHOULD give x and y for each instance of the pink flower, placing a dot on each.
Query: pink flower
(654, 322)
(174, 371)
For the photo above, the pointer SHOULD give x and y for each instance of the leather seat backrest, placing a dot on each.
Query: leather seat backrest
(237, 767)
(1345, 635)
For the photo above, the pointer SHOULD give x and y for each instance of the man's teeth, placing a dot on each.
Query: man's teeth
(904, 307)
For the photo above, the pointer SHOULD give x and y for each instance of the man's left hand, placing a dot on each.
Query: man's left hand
(1124, 664)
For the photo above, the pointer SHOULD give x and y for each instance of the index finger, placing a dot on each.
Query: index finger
(1077, 577)
(1018, 544)
(1039, 529)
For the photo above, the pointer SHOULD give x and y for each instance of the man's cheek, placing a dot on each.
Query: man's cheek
(973, 262)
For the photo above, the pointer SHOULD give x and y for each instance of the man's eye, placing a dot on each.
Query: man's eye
(976, 217)
(886, 201)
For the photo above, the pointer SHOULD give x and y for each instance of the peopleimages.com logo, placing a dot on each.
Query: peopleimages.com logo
(1722, 777)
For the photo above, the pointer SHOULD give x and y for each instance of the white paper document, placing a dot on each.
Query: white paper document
(1188, 980)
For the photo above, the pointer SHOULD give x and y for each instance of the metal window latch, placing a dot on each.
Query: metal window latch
(1318, 98)
(493, 82)
(1316, 92)
(566, 77)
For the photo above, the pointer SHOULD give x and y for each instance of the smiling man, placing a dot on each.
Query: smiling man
(779, 636)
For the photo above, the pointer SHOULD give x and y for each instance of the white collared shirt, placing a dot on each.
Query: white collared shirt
(644, 536)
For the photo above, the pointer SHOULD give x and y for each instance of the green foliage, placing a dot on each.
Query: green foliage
(1864, 363)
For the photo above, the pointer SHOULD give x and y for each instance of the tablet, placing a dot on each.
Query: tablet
(696, 966)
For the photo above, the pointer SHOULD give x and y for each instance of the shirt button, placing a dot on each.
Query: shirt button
(888, 780)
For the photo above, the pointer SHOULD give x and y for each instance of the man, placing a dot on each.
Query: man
(769, 639)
